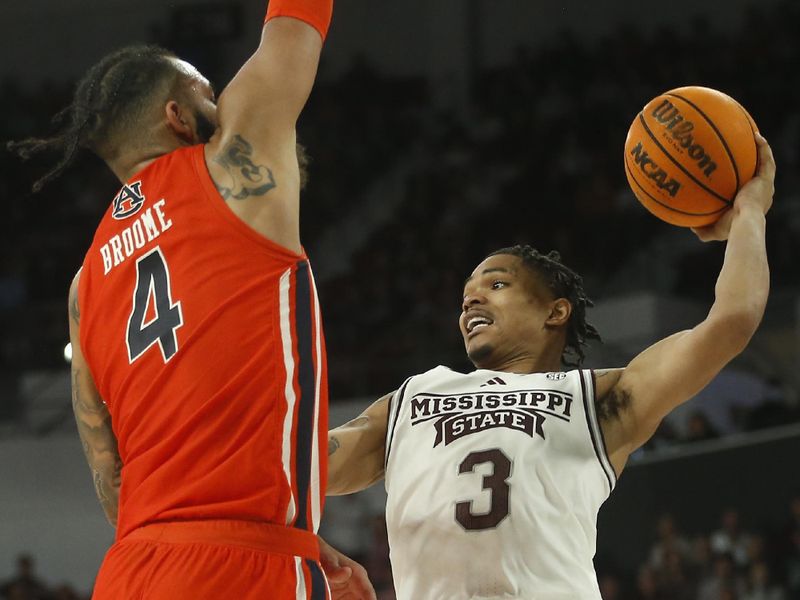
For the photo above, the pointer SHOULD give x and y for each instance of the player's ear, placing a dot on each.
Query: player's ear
(560, 311)
(179, 121)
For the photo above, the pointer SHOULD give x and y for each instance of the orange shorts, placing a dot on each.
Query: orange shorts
(213, 560)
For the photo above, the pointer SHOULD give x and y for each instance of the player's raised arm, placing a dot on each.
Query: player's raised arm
(678, 367)
(356, 450)
(93, 420)
(252, 158)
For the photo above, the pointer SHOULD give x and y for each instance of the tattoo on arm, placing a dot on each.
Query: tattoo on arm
(99, 446)
(333, 445)
(74, 311)
(246, 178)
(100, 488)
(333, 442)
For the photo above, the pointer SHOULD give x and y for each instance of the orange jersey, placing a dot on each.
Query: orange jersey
(205, 341)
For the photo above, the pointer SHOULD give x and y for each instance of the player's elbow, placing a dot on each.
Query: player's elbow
(337, 486)
(349, 481)
(340, 479)
(351, 475)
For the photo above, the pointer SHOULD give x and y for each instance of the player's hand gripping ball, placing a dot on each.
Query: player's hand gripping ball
(688, 153)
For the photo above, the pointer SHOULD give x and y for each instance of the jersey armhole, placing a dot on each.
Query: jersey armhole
(588, 390)
(395, 404)
(216, 201)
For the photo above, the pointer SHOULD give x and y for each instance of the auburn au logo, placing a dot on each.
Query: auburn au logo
(128, 201)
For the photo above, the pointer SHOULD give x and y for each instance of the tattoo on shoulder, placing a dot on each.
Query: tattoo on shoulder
(333, 445)
(246, 178)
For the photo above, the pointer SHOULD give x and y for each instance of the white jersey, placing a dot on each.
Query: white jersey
(494, 481)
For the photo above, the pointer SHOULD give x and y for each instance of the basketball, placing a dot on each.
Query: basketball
(687, 154)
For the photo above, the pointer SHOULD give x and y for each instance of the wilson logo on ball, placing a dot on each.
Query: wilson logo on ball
(680, 129)
(658, 175)
(669, 148)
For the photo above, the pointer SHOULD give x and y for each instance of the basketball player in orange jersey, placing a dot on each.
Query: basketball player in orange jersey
(494, 478)
(198, 369)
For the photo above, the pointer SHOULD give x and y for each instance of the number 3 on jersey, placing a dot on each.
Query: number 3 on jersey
(154, 316)
(496, 483)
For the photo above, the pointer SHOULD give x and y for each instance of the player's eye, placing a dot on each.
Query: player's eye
(496, 285)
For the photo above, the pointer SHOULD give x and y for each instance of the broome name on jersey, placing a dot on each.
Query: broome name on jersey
(456, 416)
(147, 227)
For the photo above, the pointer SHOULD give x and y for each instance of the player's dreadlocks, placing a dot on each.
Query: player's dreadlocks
(563, 282)
(109, 99)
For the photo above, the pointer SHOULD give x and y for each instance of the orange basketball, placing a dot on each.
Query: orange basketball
(688, 153)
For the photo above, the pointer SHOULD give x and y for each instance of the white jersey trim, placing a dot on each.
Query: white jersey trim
(395, 403)
(595, 431)
(300, 591)
(316, 498)
(288, 360)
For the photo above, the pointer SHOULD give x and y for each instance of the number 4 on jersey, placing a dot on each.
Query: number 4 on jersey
(154, 317)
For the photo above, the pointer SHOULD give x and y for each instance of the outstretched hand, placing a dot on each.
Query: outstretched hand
(347, 579)
(756, 193)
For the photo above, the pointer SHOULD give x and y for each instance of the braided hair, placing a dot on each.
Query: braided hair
(109, 100)
(563, 282)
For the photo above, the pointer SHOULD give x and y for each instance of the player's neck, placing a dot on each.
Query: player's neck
(127, 163)
(544, 360)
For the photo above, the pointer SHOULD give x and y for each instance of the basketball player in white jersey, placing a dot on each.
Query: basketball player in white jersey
(495, 477)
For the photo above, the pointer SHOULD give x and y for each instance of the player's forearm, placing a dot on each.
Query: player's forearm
(99, 443)
(265, 98)
(356, 450)
(743, 284)
(316, 13)
(106, 485)
(354, 464)
(100, 449)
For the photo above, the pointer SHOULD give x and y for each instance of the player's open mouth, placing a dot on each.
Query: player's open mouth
(477, 323)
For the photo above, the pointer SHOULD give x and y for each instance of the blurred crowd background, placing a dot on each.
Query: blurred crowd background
(407, 194)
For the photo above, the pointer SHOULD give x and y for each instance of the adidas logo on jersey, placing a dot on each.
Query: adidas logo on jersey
(494, 381)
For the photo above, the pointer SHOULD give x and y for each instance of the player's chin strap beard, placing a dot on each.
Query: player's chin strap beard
(205, 128)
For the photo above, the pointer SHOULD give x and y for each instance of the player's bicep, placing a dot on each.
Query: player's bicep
(93, 420)
(356, 450)
(253, 158)
(671, 371)
(267, 94)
